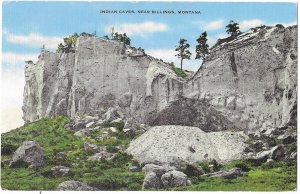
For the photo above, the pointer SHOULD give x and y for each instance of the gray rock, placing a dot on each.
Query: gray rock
(134, 168)
(111, 114)
(72, 185)
(262, 156)
(151, 181)
(118, 120)
(270, 161)
(170, 145)
(84, 132)
(277, 152)
(89, 147)
(102, 156)
(286, 138)
(90, 124)
(113, 129)
(77, 126)
(153, 168)
(60, 171)
(103, 136)
(174, 178)
(227, 174)
(61, 156)
(30, 154)
(293, 156)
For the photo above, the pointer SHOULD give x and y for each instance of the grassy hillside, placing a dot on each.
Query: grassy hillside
(115, 174)
(51, 135)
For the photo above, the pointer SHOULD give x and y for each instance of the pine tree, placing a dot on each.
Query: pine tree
(233, 29)
(202, 47)
(183, 52)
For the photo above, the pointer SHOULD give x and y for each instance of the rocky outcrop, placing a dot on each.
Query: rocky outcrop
(30, 155)
(72, 185)
(227, 174)
(245, 83)
(159, 177)
(175, 145)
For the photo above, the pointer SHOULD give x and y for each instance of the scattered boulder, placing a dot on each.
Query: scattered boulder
(103, 136)
(293, 156)
(113, 129)
(90, 124)
(102, 156)
(118, 120)
(270, 161)
(111, 114)
(277, 152)
(134, 168)
(60, 171)
(77, 126)
(29, 154)
(151, 181)
(61, 156)
(72, 185)
(286, 138)
(175, 178)
(262, 156)
(89, 147)
(227, 174)
(158, 170)
(84, 132)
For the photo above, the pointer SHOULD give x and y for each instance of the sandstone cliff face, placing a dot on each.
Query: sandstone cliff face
(100, 74)
(252, 79)
(247, 83)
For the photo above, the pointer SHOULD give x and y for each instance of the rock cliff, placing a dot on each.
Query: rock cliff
(98, 75)
(245, 83)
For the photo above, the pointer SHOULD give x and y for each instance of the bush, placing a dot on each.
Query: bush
(243, 166)
(205, 166)
(8, 149)
(192, 170)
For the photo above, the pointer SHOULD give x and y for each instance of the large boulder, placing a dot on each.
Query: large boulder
(151, 181)
(175, 178)
(227, 174)
(72, 185)
(30, 154)
(173, 144)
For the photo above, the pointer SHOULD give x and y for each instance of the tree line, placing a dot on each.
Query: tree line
(202, 48)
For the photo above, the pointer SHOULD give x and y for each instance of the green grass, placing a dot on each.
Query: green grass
(51, 135)
(279, 177)
(179, 71)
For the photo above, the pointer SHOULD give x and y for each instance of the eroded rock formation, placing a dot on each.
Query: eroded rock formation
(247, 83)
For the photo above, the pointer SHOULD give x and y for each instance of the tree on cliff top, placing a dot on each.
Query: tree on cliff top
(121, 38)
(69, 42)
(233, 29)
(183, 52)
(202, 47)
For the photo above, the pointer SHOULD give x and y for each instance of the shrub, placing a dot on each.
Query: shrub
(205, 166)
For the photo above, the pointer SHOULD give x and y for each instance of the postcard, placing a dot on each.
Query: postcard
(149, 96)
